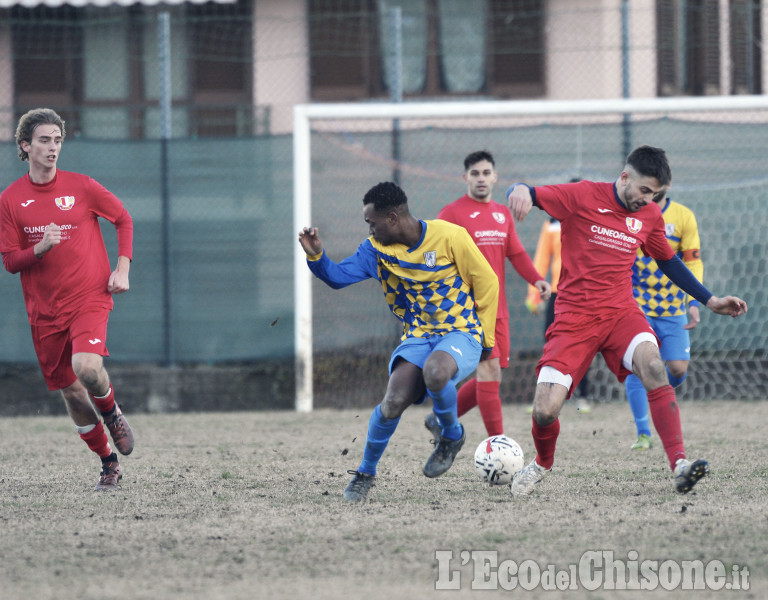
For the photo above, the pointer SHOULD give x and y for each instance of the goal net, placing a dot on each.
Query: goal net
(716, 147)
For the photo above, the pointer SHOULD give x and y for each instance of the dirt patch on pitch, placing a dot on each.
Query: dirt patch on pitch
(248, 505)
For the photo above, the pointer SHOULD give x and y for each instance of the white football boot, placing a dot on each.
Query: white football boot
(526, 480)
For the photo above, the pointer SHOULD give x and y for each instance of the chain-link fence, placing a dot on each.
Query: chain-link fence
(717, 171)
(217, 191)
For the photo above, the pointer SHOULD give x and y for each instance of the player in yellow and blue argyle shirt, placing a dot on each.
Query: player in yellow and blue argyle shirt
(439, 284)
(665, 306)
(428, 287)
(654, 292)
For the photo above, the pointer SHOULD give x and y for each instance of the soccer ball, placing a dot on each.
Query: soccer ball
(498, 459)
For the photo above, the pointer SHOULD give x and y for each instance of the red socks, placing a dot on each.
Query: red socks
(107, 403)
(666, 419)
(97, 441)
(484, 395)
(545, 440)
(467, 397)
(489, 403)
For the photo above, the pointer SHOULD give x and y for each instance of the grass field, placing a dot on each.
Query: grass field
(248, 505)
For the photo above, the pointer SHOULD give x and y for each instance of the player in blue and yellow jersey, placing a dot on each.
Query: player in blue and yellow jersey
(437, 282)
(664, 305)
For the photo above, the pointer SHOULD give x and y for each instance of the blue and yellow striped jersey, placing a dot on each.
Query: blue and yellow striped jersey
(443, 283)
(654, 292)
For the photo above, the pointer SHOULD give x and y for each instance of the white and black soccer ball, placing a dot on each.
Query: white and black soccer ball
(498, 459)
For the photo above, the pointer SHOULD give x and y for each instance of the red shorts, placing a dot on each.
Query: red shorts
(501, 349)
(574, 339)
(83, 331)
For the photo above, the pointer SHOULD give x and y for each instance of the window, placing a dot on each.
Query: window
(344, 50)
(693, 43)
(449, 48)
(98, 67)
(518, 48)
(745, 47)
(688, 47)
(47, 69)
(221, 69)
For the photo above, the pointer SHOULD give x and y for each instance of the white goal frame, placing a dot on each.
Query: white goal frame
(304, 114)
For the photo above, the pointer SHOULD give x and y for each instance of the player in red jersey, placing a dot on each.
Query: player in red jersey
(546, 259)
(603, 225)
(50, 234)
(491, 226)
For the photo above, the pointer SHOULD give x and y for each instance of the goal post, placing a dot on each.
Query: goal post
(302, 217)
(485, 117)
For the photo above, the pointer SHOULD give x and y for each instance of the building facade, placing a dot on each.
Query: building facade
(238, 68)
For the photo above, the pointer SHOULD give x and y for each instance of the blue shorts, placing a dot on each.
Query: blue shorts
(675, 341)
(464, 349)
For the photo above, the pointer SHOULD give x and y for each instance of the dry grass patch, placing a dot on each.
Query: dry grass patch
(248, 505)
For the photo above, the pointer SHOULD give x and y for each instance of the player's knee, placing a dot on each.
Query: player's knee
(544, 415)
(88, 374)
(649, 367)
(551, 391)
(677, 369)
(656, 369)
(436, 376)
(677, 376)
(392, 407)
(88, 368)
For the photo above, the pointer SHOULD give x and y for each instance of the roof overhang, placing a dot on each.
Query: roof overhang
(78, 3)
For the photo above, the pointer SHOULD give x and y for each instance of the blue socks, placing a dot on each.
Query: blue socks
(638, 402)
(379, 432)
(444, 407)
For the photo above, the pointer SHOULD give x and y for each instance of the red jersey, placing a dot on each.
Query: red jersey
(600, 238)
(75, 271)
(492, 228)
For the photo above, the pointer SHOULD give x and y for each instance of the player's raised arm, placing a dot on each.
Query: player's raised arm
(309, 239)
(682, 277)
(519, 200)
(728, 305)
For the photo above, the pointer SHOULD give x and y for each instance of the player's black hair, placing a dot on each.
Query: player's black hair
(30, 120)
(476, 157)
(651, 162)
(385, 196)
